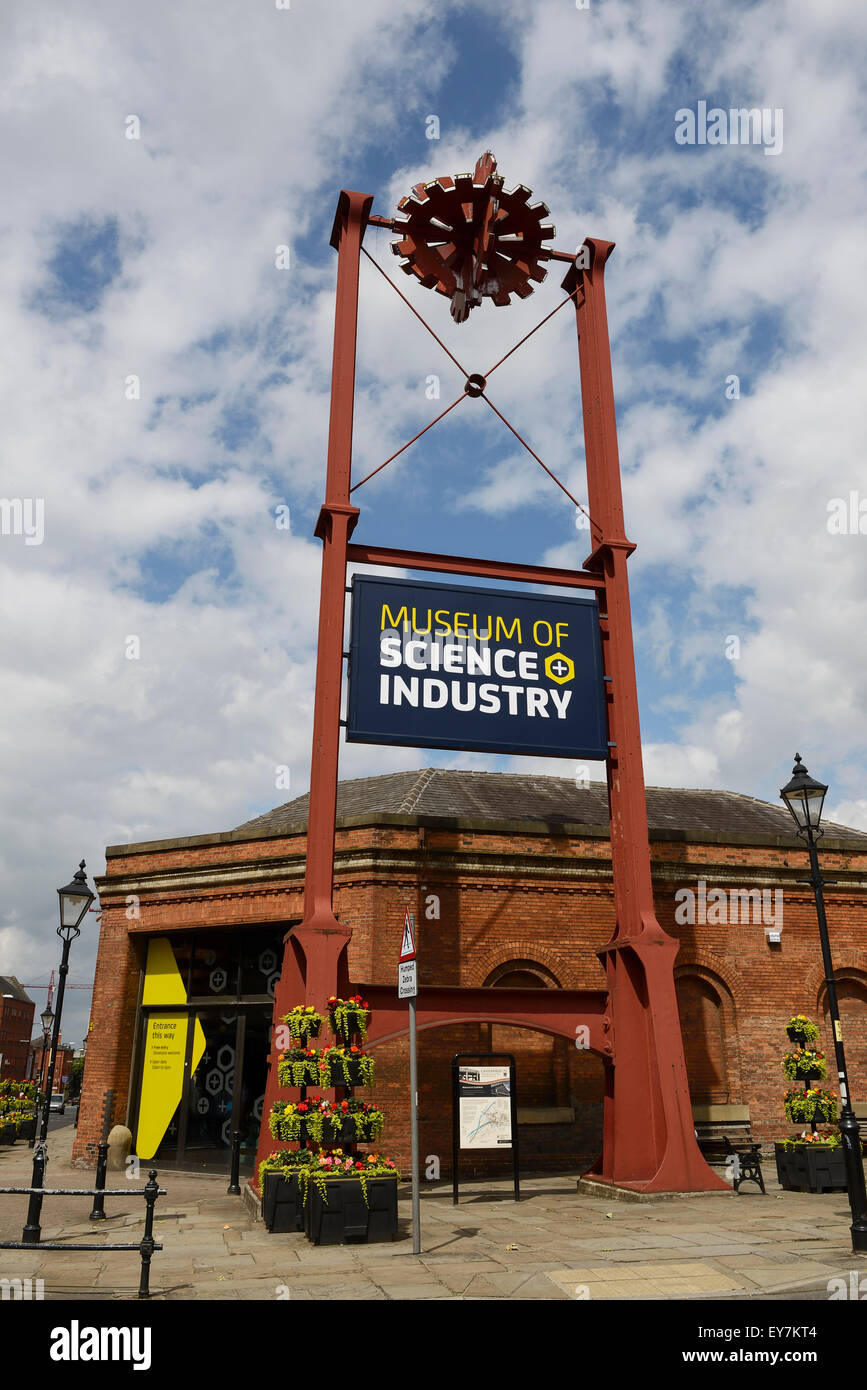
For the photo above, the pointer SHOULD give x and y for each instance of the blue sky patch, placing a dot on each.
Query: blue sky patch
(84, 263)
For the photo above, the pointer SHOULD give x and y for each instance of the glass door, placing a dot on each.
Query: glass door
(210, 1094)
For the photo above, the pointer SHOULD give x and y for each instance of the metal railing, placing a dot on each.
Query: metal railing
(146, 1246)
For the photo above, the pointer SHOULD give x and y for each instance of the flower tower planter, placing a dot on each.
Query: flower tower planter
(18, 1107)
(325, 1187)
(814, 1161)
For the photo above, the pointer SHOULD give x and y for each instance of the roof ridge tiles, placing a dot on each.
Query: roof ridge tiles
(410, 801)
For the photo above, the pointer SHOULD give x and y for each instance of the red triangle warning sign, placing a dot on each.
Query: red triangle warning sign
(407, 946)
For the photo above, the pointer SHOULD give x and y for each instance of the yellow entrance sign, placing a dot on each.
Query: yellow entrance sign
(165, 1047)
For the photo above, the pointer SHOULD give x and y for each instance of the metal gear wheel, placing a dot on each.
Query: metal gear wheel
(467, 237)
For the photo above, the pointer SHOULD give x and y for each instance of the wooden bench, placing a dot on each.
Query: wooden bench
(744, 1155)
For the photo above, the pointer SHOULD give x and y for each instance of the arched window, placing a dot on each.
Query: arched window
(702, 1025)
(521, 974)
(852, 1001)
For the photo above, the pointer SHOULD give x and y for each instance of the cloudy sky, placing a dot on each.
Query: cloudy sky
(165, 386)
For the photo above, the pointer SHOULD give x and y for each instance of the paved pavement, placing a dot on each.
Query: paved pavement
(555, 1244)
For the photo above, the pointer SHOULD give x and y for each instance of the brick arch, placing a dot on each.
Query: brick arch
(715, 966)
(853, 1015)
(526, 966)
(725, 1056)
(852, 962)
(482, 965)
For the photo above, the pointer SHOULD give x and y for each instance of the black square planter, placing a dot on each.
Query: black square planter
(348, 1134)
(281, 1203)
(347, 1073)
(809, 1169)
(346, 1217)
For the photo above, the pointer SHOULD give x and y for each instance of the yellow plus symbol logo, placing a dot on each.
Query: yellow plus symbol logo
(559, 668)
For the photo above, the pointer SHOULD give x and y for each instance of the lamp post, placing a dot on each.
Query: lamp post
(47, 1017)
(75, 899)
(804, 797)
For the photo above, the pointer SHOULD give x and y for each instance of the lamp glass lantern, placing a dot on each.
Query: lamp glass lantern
(47, 1017)
(804, 797)
(75, 899)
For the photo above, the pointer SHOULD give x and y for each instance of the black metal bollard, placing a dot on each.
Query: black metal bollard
(32, 1231)
(152, 1191)
(98, 1213)
(234, 1188)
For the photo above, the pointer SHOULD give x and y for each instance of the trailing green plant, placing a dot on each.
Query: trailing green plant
(332, 1065)
(287, 1118)
(284, 1161)
(804, 1063)
(303, 1022)
(348, 1017)
(323, 1120)
(824, 1139)
(815, 1103)
(18, 1090)
(803, 1028)
(298, 1066)
(367, 1119)
(10, 1105)
(333, 1165)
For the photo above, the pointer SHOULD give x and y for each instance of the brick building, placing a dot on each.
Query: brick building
(39, 1063)
(16, 1026)
(510, 880)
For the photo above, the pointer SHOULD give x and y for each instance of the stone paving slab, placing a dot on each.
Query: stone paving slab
(645, 1281)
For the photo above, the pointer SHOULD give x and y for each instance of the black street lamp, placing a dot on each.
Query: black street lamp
(75, 899)
(47, 1017)
(804, 797)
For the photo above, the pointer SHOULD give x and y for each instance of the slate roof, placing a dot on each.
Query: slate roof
(10, 985)
(443, 793)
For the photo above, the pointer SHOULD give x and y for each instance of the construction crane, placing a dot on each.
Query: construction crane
(50, 988)
(69, 985)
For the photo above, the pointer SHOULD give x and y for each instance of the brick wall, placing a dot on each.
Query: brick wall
(533, 900)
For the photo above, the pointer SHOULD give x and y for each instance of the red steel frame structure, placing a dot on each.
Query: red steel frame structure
(649, 1142)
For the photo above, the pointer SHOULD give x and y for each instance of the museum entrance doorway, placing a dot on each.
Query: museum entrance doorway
(203, 1037)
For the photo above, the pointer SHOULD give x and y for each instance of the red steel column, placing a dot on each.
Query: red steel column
(648, 1131)
(314, 955)
(320, 935)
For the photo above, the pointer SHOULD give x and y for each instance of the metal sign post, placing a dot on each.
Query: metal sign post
(407, 988)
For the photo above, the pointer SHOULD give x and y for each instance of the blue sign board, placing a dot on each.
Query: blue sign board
(453, 666)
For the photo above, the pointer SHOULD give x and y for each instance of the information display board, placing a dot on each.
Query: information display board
(484, 1109)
